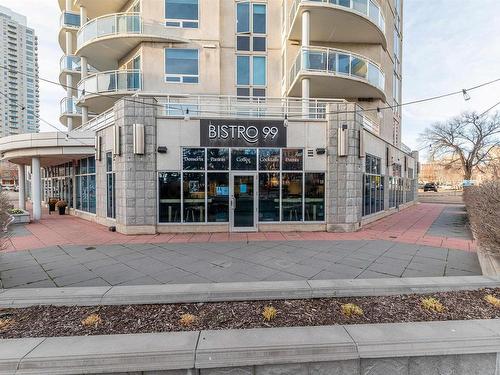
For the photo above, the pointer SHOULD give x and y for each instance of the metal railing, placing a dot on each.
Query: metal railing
(370, 125)
(337, 62)
(102, 121)
(405, 148)
(110, 81)
(70, 19)
(243, 107)
(73, 63)
(68, 106)
(116, 24)
(367, 8)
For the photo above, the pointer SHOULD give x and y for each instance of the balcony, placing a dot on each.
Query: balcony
(68, 108)
(96, 8)
(105, 40)
(101, 90)
(336, 73)
(69, 21)
(72, 65)
(343, 21)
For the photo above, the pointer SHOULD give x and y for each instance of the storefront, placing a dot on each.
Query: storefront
(242, 175)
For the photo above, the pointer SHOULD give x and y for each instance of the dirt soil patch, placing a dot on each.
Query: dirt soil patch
(51, 321)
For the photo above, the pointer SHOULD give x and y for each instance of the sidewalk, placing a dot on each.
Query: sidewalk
(413, 226)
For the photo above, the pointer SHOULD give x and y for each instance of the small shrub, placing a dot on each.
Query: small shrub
(15, 211)
(61, 204)
(351, 309)
(431, 304)
(93, 320)
(269, 313)
(492, 300)
(187, 320)
(5, 323)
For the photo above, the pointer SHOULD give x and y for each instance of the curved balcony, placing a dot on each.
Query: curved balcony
(96, 8)
(336, 73)
(69, 109)
(344, 21)
(105, 40)
(72, 65)
(69, 21)
(101, 90)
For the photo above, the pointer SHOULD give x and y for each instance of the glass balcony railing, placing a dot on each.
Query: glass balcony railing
(73, 64)
(69, 107)
(339, 63)
(115, 24)
(368, 8)
(110, 82)
(69, 19)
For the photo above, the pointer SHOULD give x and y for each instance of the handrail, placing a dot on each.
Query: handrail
(380, 22)
(111, 81)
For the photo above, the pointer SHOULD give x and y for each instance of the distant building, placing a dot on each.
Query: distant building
(19, 106)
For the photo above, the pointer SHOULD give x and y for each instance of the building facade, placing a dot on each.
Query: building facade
(19, 107)
(228, 115)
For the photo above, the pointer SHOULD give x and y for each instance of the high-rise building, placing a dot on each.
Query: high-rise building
(19, 102)
(229, 115)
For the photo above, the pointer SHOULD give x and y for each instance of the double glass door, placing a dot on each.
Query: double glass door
(243, 203)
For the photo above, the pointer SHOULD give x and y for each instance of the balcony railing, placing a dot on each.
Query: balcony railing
(117, 24)
(68, 107)
(339, 63)
(73, 64)
(69, 19)
(405, 148)
(367, 8)
(111, 81)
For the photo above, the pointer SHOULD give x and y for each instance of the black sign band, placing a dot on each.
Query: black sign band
(240, 133)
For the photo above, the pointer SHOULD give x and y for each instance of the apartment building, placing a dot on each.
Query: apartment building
(229, 115)
(19, 104)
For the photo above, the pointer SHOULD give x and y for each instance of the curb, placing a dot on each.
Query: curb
(242, 291)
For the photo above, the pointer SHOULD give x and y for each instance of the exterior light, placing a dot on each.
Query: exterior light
(186, 116)
(379, 113)
(466, 94)
(67, 137)
(285, 122)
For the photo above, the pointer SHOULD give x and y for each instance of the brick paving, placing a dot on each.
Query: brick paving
(412, 226)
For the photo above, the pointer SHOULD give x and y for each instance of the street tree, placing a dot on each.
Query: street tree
(467, 140)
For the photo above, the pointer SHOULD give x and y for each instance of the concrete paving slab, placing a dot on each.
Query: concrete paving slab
(13, 350)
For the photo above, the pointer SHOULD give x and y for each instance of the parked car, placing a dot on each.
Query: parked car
(431, 186)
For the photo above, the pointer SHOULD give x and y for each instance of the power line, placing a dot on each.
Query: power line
(378, 109)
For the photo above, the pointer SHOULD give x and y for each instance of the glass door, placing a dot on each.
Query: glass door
(243, 212)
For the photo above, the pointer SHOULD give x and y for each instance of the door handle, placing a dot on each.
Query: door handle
(231, 203)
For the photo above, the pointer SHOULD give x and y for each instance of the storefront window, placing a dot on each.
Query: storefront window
(291, 195)
(86, 186)
(218, 159)
(110, 187)
(314, 196)
(244, 159)
(193, 159)
(194, 197)
(269, 159)
(269, 197)
(218, 197)
(293, 159)
(169, 186)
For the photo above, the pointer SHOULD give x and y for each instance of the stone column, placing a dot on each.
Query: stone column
(21, 171)
(36, 190)
(136, 195)
(345, 185)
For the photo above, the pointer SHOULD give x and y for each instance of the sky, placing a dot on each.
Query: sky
(447, 45)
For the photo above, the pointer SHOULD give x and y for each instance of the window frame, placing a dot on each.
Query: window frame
(180, 23)
(181, 77)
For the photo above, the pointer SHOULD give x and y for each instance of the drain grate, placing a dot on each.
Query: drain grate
(90, 248)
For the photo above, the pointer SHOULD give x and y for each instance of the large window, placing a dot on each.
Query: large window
(181, 65)
(182, 13)
(110, 187)
(251, 46)
(373, 191)
(200, 192)
(85, 185)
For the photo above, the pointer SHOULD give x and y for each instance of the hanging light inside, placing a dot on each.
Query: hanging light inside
(186, 116)
(466, 94)
(285, 122)
(379, 113)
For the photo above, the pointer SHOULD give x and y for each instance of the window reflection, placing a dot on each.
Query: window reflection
(269, 197)
(292, 196)
(269, 159)
(314, 196)
(218, 197)
(194, 197)
(170, 197)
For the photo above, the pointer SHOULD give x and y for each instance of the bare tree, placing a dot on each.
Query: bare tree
(467, 139)
(5, 218)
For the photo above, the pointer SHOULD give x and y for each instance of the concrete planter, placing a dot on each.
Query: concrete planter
(490, 263)
(23, 218)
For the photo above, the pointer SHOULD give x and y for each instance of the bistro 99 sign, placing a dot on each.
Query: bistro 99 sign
(240, 133)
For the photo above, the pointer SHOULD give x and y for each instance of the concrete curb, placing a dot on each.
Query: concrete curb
(218, 292)
(253, 347)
